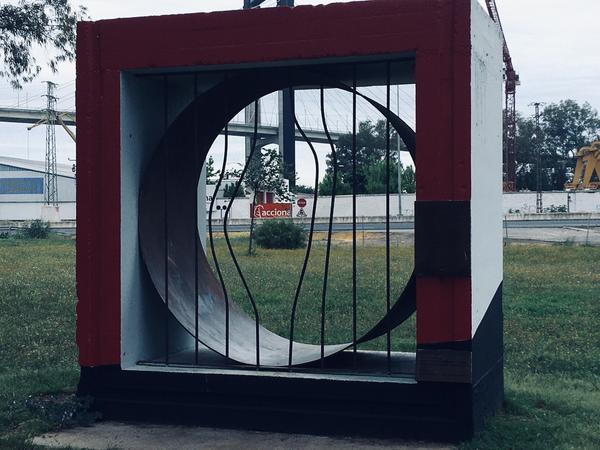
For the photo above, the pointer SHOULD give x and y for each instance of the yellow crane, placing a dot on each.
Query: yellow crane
(587, 170)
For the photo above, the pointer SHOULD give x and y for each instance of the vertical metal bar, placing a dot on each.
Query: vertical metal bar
(310, 239)
(539, 207)
(354, 189)
(212, 242)
(228, 240)
(166, 211)
(330, 229)
(195, 228)
(388, 289)
(211, 236)
(399, 161)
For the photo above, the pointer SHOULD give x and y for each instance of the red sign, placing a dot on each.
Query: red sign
(301, 202)
(271, 211)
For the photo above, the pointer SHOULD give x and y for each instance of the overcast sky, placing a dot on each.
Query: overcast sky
(554, 44)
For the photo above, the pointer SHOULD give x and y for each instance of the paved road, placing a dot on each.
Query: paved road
(573, 235)
(380, 226)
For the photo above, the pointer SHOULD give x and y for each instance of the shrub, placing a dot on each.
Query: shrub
(230, 190)
(36, 230)
(280, 234)
(556, 209)
(4, 235)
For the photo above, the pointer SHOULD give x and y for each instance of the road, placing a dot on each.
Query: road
(380, 226)
(566, 230)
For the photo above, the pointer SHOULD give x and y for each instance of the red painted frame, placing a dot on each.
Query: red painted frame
(438, 31)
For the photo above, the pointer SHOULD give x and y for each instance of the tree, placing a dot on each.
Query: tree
(47, 23)
(409, 180)
(526, 153)
(303, 189)
(376, 179)
(229, 190)
(567, 127)
(370, 162)
(264, 174)
(564, 128)
(326, 185)
(211, 173)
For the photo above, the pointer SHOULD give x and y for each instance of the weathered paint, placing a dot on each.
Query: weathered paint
(437, 31)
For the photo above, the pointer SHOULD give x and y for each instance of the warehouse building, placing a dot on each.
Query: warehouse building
(22, 191)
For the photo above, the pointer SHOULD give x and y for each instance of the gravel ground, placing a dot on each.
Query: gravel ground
(113, 435)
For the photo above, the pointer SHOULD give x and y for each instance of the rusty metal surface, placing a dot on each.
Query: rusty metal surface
(198, 126)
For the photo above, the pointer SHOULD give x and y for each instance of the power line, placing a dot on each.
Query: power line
(539, 207)
(51, 192)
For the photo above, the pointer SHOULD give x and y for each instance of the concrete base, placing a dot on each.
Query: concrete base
(379, 407)
(107, 435)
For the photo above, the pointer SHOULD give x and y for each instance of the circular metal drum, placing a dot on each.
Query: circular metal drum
(167, 218)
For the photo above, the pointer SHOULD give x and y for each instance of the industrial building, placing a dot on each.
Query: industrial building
(22, 191)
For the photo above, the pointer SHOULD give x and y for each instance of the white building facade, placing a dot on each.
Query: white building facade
(22, 198)
(22, 191)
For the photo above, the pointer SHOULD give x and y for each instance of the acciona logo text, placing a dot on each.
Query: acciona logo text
(268, 213)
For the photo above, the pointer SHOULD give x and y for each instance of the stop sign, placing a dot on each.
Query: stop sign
(301, 202)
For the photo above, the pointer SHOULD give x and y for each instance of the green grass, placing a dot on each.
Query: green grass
(273, 275)
(552, 350)
(552, 332)
(38, 355)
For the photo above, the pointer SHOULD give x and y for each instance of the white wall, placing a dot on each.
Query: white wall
(142, 311)
(486, 162)
(367, 205)
(33, 211)
(29, 206)
(374, 205)
(525, 202)
(66, 187)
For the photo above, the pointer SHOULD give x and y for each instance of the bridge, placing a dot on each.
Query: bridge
(32, 116)
(264, 132)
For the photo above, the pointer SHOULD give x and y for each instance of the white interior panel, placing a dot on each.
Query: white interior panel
(486, 161)
(142, 126)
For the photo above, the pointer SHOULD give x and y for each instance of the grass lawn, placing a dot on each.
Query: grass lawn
(273, 275)
(552, 333)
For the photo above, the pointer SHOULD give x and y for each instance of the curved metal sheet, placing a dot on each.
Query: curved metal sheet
(176, 157)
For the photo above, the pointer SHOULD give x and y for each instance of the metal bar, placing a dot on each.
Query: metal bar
(212, 243)
(354, 296)
(273, 348)
(229, 246)
(388, 290)
(399, 148)
(195, 228)
(166, 211)
(310, 239)
(211, 237)
(539, 207)
(330, 229)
